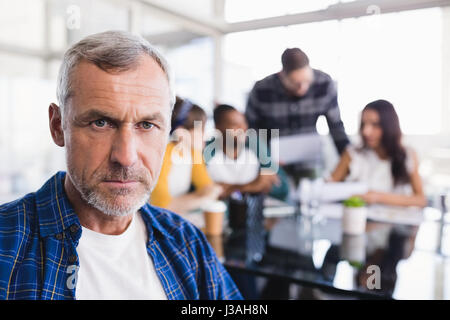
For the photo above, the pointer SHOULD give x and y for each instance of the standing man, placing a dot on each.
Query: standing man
(292, 100)
(90, 233)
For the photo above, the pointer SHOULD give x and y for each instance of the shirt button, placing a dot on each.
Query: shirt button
(59, 236)
(74, 228)
(72, 258)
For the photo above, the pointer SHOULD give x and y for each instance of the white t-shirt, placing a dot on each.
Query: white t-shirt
(366, 166)
(180, 175)
(117, 266)
(242, 170)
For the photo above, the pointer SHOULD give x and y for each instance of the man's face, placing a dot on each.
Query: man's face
(115, 133)
(298, 81)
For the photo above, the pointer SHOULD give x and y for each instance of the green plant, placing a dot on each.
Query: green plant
(354, 202)
(356, 264)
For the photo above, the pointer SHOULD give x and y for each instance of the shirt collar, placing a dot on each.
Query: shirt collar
(149, 215)
(56, 214)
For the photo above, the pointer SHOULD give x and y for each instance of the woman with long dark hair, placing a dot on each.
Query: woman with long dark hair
(389, 169)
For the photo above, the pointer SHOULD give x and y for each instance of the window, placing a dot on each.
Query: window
(238, 10)
(394, 56)
(192, 65)
(22, 23)
(27, 152)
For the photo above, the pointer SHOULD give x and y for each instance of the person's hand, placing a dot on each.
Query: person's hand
(371, 197)
(211, 192)
(270, 176)
(265, 182)
(227, 190)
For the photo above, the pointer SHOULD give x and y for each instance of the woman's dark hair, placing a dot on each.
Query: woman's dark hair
(391, 139)
(185, 113)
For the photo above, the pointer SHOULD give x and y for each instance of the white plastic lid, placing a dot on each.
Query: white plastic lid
(215, 206)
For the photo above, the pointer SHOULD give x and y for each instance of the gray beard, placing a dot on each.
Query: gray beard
(108, 205)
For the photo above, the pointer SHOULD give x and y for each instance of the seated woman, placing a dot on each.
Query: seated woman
(234, 164)
(388, 168)
(183, 166)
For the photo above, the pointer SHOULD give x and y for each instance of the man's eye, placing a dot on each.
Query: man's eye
(100, 123)
(147, 125)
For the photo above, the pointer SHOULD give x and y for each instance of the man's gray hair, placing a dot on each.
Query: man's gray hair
(111, 51)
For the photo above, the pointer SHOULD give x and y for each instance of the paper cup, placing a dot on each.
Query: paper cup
(354, 220)
(216, 243)
(214, 213)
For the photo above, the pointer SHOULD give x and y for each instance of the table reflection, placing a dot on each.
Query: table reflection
(318, 255)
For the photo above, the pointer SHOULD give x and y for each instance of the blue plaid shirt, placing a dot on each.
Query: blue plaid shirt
(39, 235)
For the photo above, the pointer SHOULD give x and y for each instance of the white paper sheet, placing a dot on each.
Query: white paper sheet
(277, 208)
(397, 215)
(296, 148)
(338, 191)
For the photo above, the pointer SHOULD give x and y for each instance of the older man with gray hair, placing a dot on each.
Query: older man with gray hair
(90, 233)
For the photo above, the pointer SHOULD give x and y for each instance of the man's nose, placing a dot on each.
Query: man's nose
(124, 149)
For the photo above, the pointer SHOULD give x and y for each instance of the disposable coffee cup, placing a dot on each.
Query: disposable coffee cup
(216, 243)
(214, 213)
(354, 220)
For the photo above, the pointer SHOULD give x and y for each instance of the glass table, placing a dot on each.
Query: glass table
(407, 259)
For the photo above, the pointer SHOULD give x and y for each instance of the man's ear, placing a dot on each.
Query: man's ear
(55, 121)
